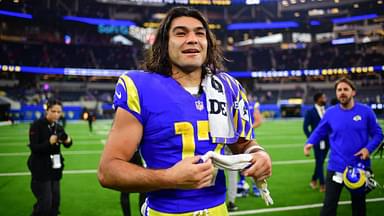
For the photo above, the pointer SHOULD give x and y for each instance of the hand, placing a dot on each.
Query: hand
(261, 167)
(307, 149)
(53, 139)
(189, 174)
(363, 153)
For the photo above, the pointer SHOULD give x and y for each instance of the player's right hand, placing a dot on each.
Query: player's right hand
(190, 174)
(307, 149)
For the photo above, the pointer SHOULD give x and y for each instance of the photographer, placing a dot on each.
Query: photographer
(46, 162)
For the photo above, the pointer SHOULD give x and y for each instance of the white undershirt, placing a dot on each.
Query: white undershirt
(192, 90)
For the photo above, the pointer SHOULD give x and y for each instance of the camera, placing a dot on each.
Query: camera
(62, 136)
(60, 133)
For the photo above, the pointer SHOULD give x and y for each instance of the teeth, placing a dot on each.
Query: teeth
(190, 51)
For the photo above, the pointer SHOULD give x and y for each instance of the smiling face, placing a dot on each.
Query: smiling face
(187, 44)
(345, 94)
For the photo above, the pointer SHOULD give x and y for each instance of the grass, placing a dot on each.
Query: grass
(82, 194)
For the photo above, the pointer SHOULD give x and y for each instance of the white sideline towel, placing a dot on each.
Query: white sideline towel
(238, 162)
(219, 113)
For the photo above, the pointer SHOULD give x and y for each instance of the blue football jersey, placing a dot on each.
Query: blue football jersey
(175, 126)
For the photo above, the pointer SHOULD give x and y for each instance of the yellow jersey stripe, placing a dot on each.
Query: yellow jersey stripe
(217, 210)
(132, 95)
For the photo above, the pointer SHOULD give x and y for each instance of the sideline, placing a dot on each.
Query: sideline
(299, 207)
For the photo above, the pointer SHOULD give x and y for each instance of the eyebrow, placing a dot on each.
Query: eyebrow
(186, 28)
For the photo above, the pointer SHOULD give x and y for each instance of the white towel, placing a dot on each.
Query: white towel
(220, 118)
(237, 162)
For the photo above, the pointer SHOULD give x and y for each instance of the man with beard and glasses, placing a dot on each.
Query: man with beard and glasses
(176, 110)
(354, 134)
(311, 120)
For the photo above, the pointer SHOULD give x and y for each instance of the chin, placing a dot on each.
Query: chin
(189, 68)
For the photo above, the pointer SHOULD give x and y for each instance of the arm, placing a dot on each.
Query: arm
(376, 136)
(320, 133)
(258, 118)
(67, 140)
(38, 148)
(307, 120)
(117, 173)
(261, 167)
(375, 132)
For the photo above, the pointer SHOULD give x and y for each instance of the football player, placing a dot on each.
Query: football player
(173, 112)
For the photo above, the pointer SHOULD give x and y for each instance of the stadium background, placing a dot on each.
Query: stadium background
(282, 51)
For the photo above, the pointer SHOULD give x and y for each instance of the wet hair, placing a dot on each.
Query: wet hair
(317, 96)
(157, 58)
(347, 81)
(52, 102)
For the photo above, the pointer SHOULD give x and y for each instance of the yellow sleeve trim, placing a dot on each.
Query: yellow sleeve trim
(132, 95)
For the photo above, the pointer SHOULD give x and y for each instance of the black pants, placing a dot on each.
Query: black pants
(47, 195)
(320, 155)
(124, 196)
(126, 206)
(332, 196)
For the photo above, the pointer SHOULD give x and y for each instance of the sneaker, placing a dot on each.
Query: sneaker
(232, 207)
(256, 191)
(313, 184)
(242, 189)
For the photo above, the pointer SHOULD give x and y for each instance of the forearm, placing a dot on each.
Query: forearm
(242, 146)
(256, 124)
(68, 143)
(377, 137)
(124, 176)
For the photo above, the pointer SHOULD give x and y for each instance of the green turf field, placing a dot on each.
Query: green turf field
(82, 194)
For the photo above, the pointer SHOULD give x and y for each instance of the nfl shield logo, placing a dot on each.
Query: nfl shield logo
(199, 105)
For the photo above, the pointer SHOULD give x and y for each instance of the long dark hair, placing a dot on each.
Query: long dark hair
(157, 59)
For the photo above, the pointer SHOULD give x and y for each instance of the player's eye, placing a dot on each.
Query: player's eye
(200, 33)
(180, 33)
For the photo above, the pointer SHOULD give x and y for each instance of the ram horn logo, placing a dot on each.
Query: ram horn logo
(357, 118)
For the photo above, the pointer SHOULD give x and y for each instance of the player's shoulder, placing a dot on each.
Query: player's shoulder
(223, 76)
(362, 106)
(141, 77)
(229, 81)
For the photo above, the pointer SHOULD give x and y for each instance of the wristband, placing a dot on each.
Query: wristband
(252, 148)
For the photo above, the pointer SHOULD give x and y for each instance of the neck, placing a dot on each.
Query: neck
(192, 79)
(348, 105)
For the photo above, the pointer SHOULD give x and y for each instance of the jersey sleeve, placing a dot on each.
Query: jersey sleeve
(127, 96)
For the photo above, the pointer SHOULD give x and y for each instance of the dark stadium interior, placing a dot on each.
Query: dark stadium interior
(48, 40)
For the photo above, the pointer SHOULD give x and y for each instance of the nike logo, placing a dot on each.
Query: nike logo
(118, 94)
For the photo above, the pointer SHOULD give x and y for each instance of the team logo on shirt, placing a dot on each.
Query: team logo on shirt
(118, 94)
(357, 118)
(243, 109)
(199, 105)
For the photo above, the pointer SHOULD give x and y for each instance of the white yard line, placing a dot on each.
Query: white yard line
(65, 172)
(80, 152)
(299, 207)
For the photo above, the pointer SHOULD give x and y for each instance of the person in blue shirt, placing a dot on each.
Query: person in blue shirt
(176, 110)
(311, 120)
(354, 134)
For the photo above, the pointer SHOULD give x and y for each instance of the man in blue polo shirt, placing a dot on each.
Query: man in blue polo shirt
(354, 134)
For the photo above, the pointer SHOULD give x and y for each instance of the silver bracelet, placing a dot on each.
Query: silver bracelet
(254, 147)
